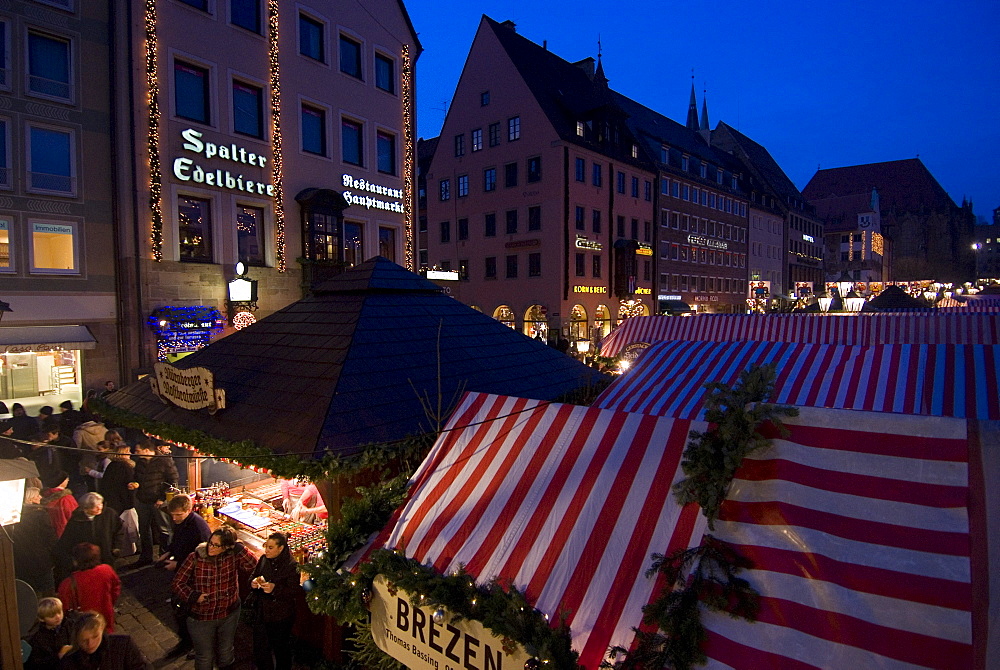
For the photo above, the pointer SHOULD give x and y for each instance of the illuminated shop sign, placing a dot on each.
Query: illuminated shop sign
(643, 291)
(668, 297)
(186, 169)
(644, 250)
(707, 242)
(444, 275)
(369, 202)
(808, 238)
(590, 289)
(583, 243)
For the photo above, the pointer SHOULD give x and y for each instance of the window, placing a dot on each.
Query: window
(511, 221)
(718, 176)
(635, 229)
(510, 175)
(250, 234)
(51, 160)
(665, 187)
(648, 191)
(664, 154)
(490, 225)
(597, 177)
(463, 229)
(635, 187)
(49, 71)
(313, 130)
(354, 252)
(245, 14)
(484, 98)
(491, 267)
(534, 169)
(385, 73)
(54, 247)
(512, 267)
(647, 231)
(322, 236)
(494, 131)
(445, 232)
(596, 221)
(703, 170)
(5, 177)
(387, 243)
(535, 218)
(621, 226)
(581, 265)
(191, 85)
(311, 38)
(477, 139)
(684, 163)
(620, 182)
(350, 56)
(463, 185)
(248, 109)
(490, 179)
(514, 128)
(459, 145)
(597, 266)
(581, 169)
(385, 144)
(635, 151)
(535, 265)
(194, 229)
(463, 268)
(579, 128)
(445, 189)
(687, 193)
(6, 259)
(352, 147)
(675, 189)
(4, 55)
(580, 224)
(197, 4)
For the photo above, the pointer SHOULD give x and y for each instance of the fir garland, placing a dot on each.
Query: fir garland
(736, 414)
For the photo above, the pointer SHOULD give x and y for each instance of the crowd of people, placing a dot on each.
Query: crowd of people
(101, 495)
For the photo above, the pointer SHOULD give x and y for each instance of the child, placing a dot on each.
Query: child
(51, 638)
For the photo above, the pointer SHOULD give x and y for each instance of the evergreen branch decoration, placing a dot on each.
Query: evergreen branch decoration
(711, 458)
(703, 575)
(367, 654)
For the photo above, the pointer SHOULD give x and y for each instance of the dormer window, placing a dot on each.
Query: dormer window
(703, 171)
(664, 154)
(684, 163)
(635, 151)
(579, 128)
(484, 98)
(718, 176)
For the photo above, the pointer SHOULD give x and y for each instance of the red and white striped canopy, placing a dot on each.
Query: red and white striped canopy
(971, 307)
(864, 329)
(858, 524)
(958, 380)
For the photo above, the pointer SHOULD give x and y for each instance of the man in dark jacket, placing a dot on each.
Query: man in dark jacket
(154, 474)
(44, 454)
(97, 650)
(190, 530)
(91, 522)
(34, 538)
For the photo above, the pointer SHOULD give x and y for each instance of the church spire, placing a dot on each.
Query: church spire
(692, 120)
(599, 76)
(704, 111)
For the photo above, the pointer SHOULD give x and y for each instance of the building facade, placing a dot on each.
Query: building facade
(57, 210)
(278, 134)
(544, 213)
(854, 241)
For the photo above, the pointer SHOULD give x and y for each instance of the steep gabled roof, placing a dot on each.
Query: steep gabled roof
(904, 185)
(349, 364)
(840, 213)
(759, 159)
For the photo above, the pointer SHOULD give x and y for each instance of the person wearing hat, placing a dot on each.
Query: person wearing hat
(43, 453)
(8, 449)
(58, 500)
(69, 418)
(44, 415)
(25, 427)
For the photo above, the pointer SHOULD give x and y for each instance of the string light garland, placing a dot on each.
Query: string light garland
(408, 160)
(153, 133)
(243, 319)
(276, 164)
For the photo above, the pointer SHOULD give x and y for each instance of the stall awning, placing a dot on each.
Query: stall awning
(22, 339)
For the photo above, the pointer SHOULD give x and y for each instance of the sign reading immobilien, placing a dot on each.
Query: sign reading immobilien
(193, 388)
(410, 635)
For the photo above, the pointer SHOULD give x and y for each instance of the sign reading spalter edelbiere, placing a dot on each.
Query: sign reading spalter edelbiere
(191, 388)
(410, 635)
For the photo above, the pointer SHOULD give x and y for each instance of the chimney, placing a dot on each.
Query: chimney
(545, 44)
(509, 24)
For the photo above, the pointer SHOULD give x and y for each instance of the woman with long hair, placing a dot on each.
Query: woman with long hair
(275, 581)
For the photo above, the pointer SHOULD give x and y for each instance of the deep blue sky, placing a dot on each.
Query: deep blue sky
(819, 84)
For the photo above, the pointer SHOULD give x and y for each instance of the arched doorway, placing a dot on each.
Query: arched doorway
(504, 315)
(629, 308)
(602, 322)
(536, 322)
(578, 324)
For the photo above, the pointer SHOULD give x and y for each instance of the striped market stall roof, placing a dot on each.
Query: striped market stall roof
(863, 329)
(971, 307)
(858, 525)
(957, 380)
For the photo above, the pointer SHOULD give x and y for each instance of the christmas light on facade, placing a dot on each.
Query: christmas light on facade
(276, 165)
(153, 133)
(409, 161)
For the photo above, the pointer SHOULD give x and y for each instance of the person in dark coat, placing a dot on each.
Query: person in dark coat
(44, 454)
(93, 523)
(51, 637)
(155, 474)
(25, 427)
(117, 484)
(69, 418)
(34, 538)
(276, 586)
(96, 650)
(190, 530)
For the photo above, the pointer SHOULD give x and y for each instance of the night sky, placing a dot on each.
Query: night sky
(818, 84)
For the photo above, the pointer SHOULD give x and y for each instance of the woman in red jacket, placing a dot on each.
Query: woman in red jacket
(93, 585)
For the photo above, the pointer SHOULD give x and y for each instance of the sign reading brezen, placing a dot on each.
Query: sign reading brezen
(410, 635)
(193, 388)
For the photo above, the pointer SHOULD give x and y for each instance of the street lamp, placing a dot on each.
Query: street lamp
(853, 302)
(976, 246)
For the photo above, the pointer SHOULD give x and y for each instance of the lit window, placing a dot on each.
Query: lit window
(194, 229)
(463, 187)
(313, 130)
(248, 109)
(350, 56)
(191, 86)
(250, 234)
(52, 157)
(385, 73)
(49, 71)
(54, 247)
(6, 259)
(513, 128)
(477, 139)
(635, 151)
(386, 146)
(579, 128)
(352, 148)
(445, 189)
(245, 14)
(311, 40)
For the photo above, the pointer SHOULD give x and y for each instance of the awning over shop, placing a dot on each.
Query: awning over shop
(24, 339)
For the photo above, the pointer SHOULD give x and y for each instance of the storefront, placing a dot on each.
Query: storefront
(41, 365)
(183, 330)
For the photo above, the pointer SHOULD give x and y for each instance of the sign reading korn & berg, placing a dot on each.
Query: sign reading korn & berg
(411, 635)
(193, 388)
